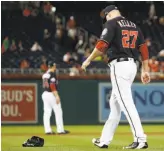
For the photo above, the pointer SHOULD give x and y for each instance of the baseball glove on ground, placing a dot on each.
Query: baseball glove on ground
(34, 141)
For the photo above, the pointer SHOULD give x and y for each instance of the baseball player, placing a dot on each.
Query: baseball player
(51, 101)
(123, 38)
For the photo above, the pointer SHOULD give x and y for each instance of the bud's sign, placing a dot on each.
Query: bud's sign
(19, 103)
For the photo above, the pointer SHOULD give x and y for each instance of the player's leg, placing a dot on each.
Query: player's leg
(124, 95)
(47, 112)
(112, 122)
(58, 115)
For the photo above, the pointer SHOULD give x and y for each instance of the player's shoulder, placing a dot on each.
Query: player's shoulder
(109, 24)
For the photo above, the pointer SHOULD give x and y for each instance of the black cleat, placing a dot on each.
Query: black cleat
(96, 142)
(50, 133)
(137, 145)
(65, 132)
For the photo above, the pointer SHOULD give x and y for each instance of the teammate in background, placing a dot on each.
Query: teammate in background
(124, 39)
(51, 101)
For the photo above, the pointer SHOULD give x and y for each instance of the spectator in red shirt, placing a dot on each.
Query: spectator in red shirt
(44, 66)
(26, 12)
(154, 65)
(24, 64)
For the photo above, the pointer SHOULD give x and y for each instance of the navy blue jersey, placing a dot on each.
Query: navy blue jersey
(49, 80)
(123, 37)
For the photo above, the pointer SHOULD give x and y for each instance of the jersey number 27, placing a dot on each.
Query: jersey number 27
(129, 38)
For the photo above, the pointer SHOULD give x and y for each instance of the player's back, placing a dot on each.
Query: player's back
(127, 38)
(49, 78)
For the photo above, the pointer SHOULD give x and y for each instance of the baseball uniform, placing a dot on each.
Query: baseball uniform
(123, 39)
(50, 83)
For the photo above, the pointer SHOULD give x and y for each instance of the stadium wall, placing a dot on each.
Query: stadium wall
(83, 101)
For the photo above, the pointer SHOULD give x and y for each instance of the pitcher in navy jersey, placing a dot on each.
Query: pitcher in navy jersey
(51, 101)
(123, 40)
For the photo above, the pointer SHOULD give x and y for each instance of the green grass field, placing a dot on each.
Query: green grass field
(78, 140)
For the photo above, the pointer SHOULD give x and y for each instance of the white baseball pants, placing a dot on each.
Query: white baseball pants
(49, 102)
(122, 76)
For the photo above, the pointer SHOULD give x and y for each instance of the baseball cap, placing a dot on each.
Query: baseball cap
(51, 64)
(106, 10)
(109, 9)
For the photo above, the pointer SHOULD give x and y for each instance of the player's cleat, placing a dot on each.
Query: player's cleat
(137, 145)
(50, 133)
(96, 142)
(65, 132)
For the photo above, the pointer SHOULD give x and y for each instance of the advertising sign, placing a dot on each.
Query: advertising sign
(149, 101)
(19, 103)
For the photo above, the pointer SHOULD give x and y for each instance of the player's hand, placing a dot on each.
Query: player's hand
(58, 100)
(85, 64)
(145, 77)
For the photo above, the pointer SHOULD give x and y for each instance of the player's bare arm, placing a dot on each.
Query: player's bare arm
(99, 50)
(104, 41)
(96, 52)
(55, 92)
(56, 96)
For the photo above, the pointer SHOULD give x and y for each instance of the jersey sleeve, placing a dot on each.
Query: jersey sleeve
(141, 39)
(52, 80)
(46, 76)
(107, 33)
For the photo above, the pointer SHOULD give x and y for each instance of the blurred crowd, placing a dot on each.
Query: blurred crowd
(40, 34)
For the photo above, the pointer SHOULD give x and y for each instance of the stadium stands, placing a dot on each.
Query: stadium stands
(53, 31)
